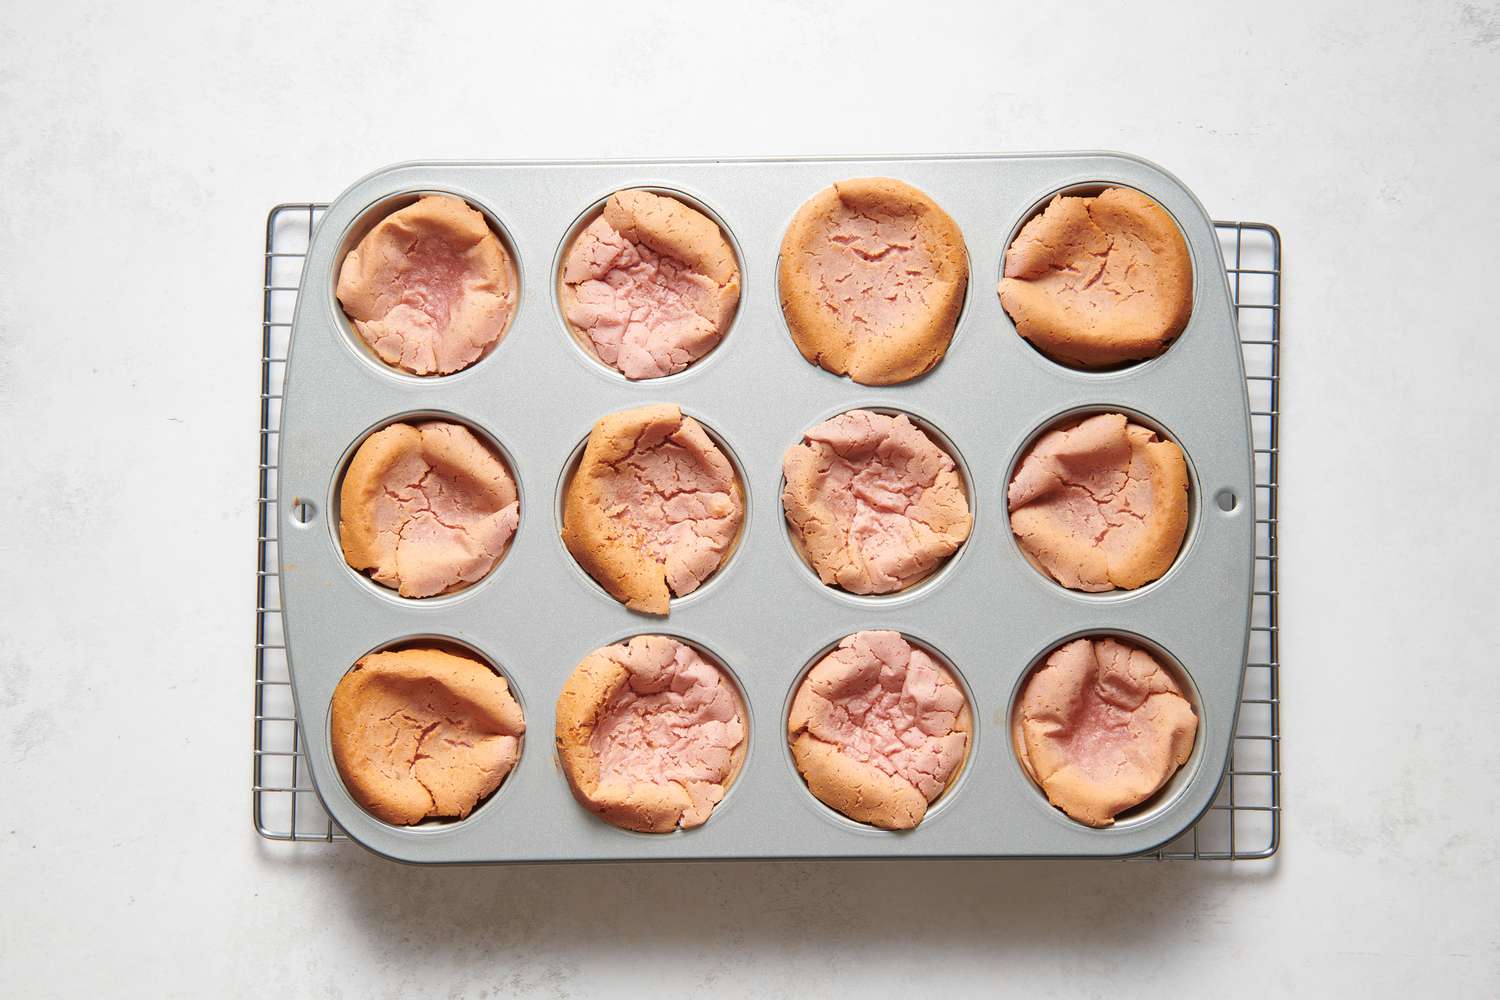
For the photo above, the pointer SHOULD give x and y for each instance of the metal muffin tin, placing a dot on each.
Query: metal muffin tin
(990, 613)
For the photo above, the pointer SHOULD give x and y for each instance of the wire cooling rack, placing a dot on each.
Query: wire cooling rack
(1244, 823)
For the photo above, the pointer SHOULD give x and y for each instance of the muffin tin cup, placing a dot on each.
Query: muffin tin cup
(935, 576)
(991, 617)
(360, 224)
(574, 461)
(333, 503)
(1164, 797)
(747, 715)
(1072, 417)
(950, 791)
(1091, 189)
(442, 643)
(580, 340)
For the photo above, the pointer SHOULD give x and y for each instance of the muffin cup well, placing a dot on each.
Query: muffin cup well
(333, 504)
(580, 342)
(1075, 415)
(560, 496)
(1163, 798)
(360, 227)
(950, 792)
(1091, 189)
(455, 647)
(935, 577)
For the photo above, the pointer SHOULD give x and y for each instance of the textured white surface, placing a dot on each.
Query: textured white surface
(139, 152)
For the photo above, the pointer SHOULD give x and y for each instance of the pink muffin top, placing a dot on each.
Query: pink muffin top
(873, 502)
(1096, 281)
(650, 285)
(1101, 503)
(426, 509)
(430, 288)
(879, 729)
(1101, 726)
(654, 508)
(421, 733)
(881, 266)
(872, 277)
(650, 733)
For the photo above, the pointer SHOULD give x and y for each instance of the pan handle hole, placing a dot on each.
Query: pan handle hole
(1226, 500)
(303, 510)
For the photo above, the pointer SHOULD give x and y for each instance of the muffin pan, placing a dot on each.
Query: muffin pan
(989, 612)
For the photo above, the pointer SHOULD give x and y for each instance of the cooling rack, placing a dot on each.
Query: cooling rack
(1244, 822)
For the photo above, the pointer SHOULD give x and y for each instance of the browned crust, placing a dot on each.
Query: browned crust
(613, 559)
(858, 790)
(646, 808)
(904, 353)
(611, 556)
(1098, 338)
(589, 688)
(362, 486)
(675, 230)
(495, 710)
(461, 454)
(1169, 521)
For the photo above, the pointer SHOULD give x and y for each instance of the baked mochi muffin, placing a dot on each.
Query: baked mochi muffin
(650, 734)
(872, 279)
(874, 504)
(420, 734)
(1101, 726)
(654, 507)
(426, 508)
(1094, 282)
(1100, 503)
(431, 288)
(649, 286)
(879, 729)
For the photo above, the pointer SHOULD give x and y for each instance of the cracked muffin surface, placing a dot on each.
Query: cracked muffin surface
(654, 507)
(650, 734)
(431, 288)
(872, 279)
(420, 734)
(879, 729)
(427, 508)
(1099, 281)
(874, 504)
(1101, 726)
(1100, 504)
(649, 286)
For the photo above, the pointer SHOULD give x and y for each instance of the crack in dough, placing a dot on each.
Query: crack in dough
(1101, 504)
(879, 730)
(650, 734)
(650, 285)
(1102, 726)
(431, 288)
(426, 509)
(654, 508)
(874, 504)
(421, 733)
(1098, 281)
(872, 279)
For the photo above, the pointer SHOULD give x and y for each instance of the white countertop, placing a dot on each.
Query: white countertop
(139, 156)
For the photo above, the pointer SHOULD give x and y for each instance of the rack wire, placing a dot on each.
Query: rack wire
(1244, 822)
(284, 804)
